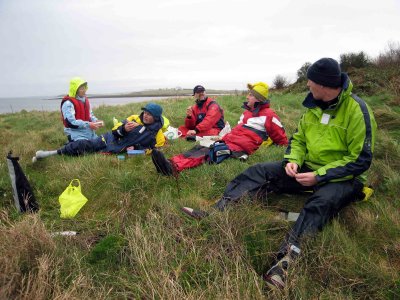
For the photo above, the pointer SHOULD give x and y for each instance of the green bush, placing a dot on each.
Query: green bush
(280, 82)
(302, 72)
(354, 60)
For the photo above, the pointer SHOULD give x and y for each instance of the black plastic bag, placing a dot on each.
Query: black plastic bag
(23, 196)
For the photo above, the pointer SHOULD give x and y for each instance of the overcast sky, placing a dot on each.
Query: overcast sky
(126, 45)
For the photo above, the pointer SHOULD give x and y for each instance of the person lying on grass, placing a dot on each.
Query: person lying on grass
(257, 124)
(329, 155)
(142, 131)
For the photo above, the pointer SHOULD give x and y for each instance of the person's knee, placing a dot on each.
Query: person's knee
(267, 170)
(324, 207)
(261, 167)
(335, 194)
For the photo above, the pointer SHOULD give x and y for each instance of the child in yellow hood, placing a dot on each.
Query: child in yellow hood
(79, 121)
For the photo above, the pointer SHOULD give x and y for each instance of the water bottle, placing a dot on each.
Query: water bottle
(115, 121)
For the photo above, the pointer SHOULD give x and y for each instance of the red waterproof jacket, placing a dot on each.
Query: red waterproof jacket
(82, 110)
(254, 127)
(206, 114)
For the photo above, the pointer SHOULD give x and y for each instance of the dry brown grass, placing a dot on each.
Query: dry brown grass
(25, 250)
(30, 267)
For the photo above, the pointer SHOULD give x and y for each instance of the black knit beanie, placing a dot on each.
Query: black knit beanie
(326, 72)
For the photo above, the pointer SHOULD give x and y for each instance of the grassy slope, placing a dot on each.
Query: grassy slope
(134, 242)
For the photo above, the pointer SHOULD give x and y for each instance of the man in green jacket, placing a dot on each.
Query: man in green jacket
(328, 154)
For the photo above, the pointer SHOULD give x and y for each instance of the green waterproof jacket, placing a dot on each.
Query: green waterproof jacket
(337, 143)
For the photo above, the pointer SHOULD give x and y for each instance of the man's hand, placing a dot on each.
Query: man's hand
(189, 111)
(191, 132)
(291, 169)
(306, 179)
(129, 126)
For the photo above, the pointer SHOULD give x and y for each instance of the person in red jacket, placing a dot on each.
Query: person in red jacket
(257, 124)
(206, 117)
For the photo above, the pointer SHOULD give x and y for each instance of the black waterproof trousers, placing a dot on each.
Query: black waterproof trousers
(81, 147)
(324, 203)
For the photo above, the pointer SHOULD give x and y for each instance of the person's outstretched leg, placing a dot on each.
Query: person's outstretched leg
(162, 164)
(81, 147)
(43, 154)
(325, 203)
(255, 181)
(190, 159)
(40, 154)
(75, 148)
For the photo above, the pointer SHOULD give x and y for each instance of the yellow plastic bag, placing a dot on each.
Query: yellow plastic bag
(72, 200)
(367, 191)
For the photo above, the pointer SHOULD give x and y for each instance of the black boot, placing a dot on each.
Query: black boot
(163, 165)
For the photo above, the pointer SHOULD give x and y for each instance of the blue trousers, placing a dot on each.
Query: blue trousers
(81, 147)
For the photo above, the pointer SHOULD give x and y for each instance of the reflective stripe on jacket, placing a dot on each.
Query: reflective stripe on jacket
(254, 127)
(141, 137)
(206, 114)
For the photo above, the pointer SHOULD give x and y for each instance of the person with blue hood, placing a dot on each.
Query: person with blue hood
(79, 121)
(139, 132)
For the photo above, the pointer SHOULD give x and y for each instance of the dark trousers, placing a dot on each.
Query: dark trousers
(325, 202)
(81, 147)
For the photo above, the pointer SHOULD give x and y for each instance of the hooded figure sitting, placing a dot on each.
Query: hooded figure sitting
(79, 121)
(142, 131)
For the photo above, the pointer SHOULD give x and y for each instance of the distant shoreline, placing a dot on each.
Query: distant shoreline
(15, 105)
(157, 93)
(18, 104)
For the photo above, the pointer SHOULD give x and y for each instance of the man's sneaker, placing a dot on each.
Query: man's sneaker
(195, 213)
(276, 276)
(163, 165)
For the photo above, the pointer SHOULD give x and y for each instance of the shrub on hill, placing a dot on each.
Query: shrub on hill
(302, 72)
(354, 60)
(389, 58)
(369, 76)
(280, 82)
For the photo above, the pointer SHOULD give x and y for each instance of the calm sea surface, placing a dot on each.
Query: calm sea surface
(12, 105)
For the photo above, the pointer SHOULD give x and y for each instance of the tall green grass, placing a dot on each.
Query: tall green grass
(133, 242)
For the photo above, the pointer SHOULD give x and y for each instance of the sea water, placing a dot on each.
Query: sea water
(12, 105)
